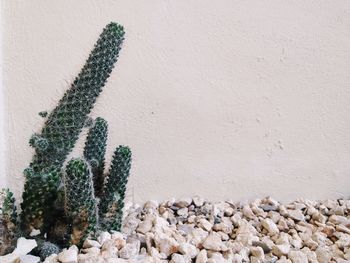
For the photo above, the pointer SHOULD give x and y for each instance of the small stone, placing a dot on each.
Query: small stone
(166, 244)
(282, 239)
(296, 215)
(202, 256)
(343, 228)
(280, 250)
(34, 232)
(118, 239)
(229, 211)
(275, 217)
(257, 252)
(9, 258)
(91, 243)
(183, 202)
(282, 224)
(109, 249)
(130, 250)
(225, 227)
(29, 259)
(311, 255)
(331, 204)
(151, 205)
(205, 224)
(339, 220)
(197, 236)
(283, 259)
(246, 233)
(182, 212)
(266, 248)
(247, 212)
(68, 255)
(24, 246)
(244, 254)
(323, 254)
(297, 257)
(177, 258)
(213, 242)
(311, 244)
(188, 249)
(343, 241)
(216, 257)
(270, 226)
(258, 211)
(104, 236)
(198, 201)
(268, 208)
(317, 216)
(145, 226)
(237, 258)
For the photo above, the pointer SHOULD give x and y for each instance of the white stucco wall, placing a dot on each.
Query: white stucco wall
(225, 99)
(2, 110)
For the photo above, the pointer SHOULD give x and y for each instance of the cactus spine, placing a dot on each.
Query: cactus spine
(62, 129)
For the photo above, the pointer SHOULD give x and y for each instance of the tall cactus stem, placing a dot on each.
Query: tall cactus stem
(112, 200)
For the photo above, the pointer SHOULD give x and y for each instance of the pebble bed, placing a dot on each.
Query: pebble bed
(196, 230)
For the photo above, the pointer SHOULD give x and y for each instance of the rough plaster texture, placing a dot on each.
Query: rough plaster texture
(225, 99)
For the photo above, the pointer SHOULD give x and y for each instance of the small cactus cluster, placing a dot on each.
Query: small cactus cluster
(68, 203)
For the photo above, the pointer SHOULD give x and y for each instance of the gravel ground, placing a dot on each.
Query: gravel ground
(196, 230)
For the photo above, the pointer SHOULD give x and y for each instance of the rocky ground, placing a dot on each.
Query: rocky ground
(195, 230)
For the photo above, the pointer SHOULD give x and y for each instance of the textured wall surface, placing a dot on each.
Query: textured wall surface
(225, 99)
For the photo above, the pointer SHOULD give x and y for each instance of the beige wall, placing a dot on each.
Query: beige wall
(225, 99)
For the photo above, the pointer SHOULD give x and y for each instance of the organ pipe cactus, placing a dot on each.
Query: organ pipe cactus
(69, 203)
(62, 129)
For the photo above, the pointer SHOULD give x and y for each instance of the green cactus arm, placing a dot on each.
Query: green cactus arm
(112, 200)
(94, 151)
(63, 126)
(80, 203)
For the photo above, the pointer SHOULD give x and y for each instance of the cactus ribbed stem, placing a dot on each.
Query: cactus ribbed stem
(94, 152)
(80, 201)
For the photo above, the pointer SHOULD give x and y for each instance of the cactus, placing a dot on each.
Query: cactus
(80, 203)
(94, 152)
(8, 221)
(63, 203)
(47, 249)
(62, 128)
(112, 200)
